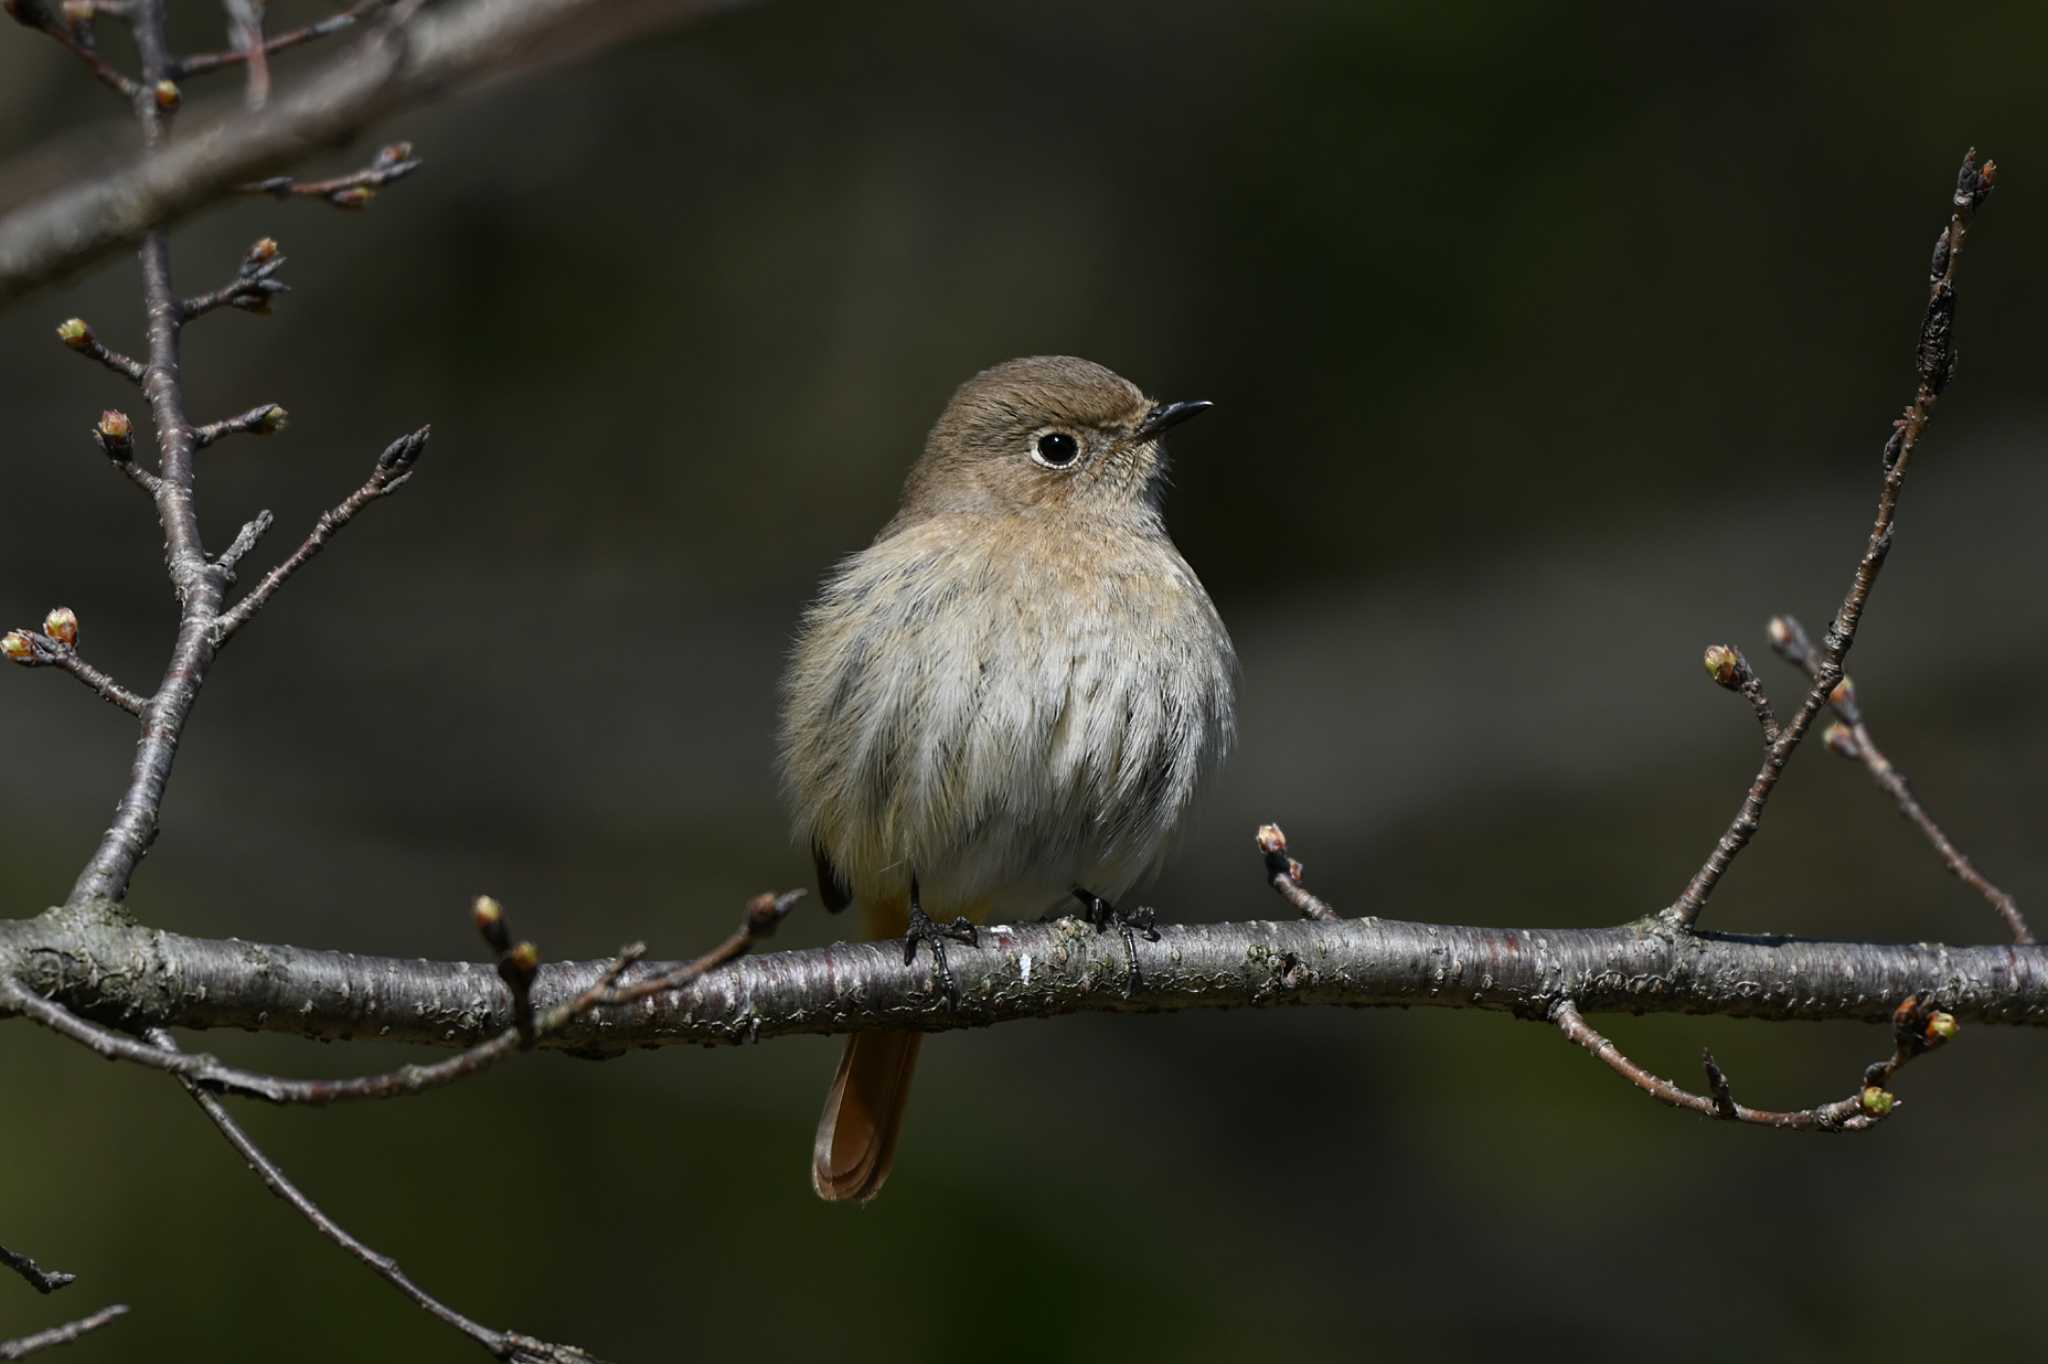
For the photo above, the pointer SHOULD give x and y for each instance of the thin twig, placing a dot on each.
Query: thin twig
(44, 1281)
(763, 914)
(31, 14)
(1852, 739)
(79, 337)
(506, 1345)
(201, 63)
(42, 651)
(354, 190)
(394, 466)
(205, 1070)
(1284, 875)
(252, 287)
(1917, 1027)
(265, 419)
(1936, 361)
(24, 1346)
(245, 540)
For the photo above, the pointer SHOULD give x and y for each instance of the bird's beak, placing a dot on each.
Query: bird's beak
(1166, 416)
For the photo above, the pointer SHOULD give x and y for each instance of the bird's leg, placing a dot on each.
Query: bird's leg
(924, 929)
(1131, 922)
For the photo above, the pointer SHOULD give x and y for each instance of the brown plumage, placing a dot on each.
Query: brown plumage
(1010, 695)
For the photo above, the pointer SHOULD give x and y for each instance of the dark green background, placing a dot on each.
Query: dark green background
(1550, 345)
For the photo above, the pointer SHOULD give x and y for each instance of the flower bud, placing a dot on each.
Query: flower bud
(15, 647)
(355, 196)
(273, 420)
(393, 154)
(264, 249)
(1841, 741)
(74, 333)
(525, 959)
(168, 96)
(62, 625)
(78, 13)
(1724, 665)
(1941, 1027)
(1878, 1101)
(489, 917)
(116, 435)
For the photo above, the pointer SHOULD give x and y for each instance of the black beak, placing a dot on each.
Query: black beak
(1166, 416)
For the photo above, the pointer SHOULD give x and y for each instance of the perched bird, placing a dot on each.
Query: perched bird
(1003, 703)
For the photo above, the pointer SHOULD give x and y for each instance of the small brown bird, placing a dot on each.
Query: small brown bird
(1005, 702)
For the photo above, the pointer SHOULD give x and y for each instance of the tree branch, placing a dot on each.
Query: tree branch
(507, 1345)
(24, 1346)
(436, 54)
(44, 1281)
(1935, 358)
(99, 964)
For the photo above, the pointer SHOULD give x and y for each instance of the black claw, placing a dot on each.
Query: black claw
(924, 929)
(1130, 922)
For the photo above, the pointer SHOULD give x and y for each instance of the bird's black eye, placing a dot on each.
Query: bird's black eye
(1058, 449)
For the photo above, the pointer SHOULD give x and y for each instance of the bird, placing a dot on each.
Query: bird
(1005, 703)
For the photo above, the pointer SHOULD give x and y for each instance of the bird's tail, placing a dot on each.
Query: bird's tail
(863, 1114)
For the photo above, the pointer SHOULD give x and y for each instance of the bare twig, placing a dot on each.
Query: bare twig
(1917, 1027)
(506, 1345)
(1852, 739)
(24, 1346)
(50, 648)
(1284, 874)
(764, 913)
(265, 419)
(394, 466)
(252, 287)
(75, 333)
(245, 540)
(1936, 361)
(35, 14)
(201, 63)
(354, 190)
(442, 51)
(44, 1281)
(208, 1072)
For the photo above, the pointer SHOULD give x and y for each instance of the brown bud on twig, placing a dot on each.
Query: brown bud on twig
(1841, 741)
(62, 625)
(116, 435)
(391, 155)
(354, 197)
(524, 959)
(1941, 1027)
(264, 249)
(15, 647)
(74, 332)
(1726, 666)
(168, 96)
(489, 916)
(765, 911)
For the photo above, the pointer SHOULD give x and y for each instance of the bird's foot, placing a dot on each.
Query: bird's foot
(927, 930)
(1131, 922)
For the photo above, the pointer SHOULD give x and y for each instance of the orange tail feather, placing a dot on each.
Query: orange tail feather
(863, 1115)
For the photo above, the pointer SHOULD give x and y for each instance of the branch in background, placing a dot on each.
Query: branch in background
(203, 63)
(24, 1346)
(44, 1281)
(1935, 357)
(507, 1345)
(1284, 875)
(1917, 1028)
(56, 646)
(74, 35)
(1851, 738)
(394, 466)
(437, 54)
(354, 190)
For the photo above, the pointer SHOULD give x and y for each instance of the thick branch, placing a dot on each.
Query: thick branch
(101, 965)
(437, 54)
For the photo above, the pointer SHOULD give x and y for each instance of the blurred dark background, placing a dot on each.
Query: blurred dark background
(1549, 347)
